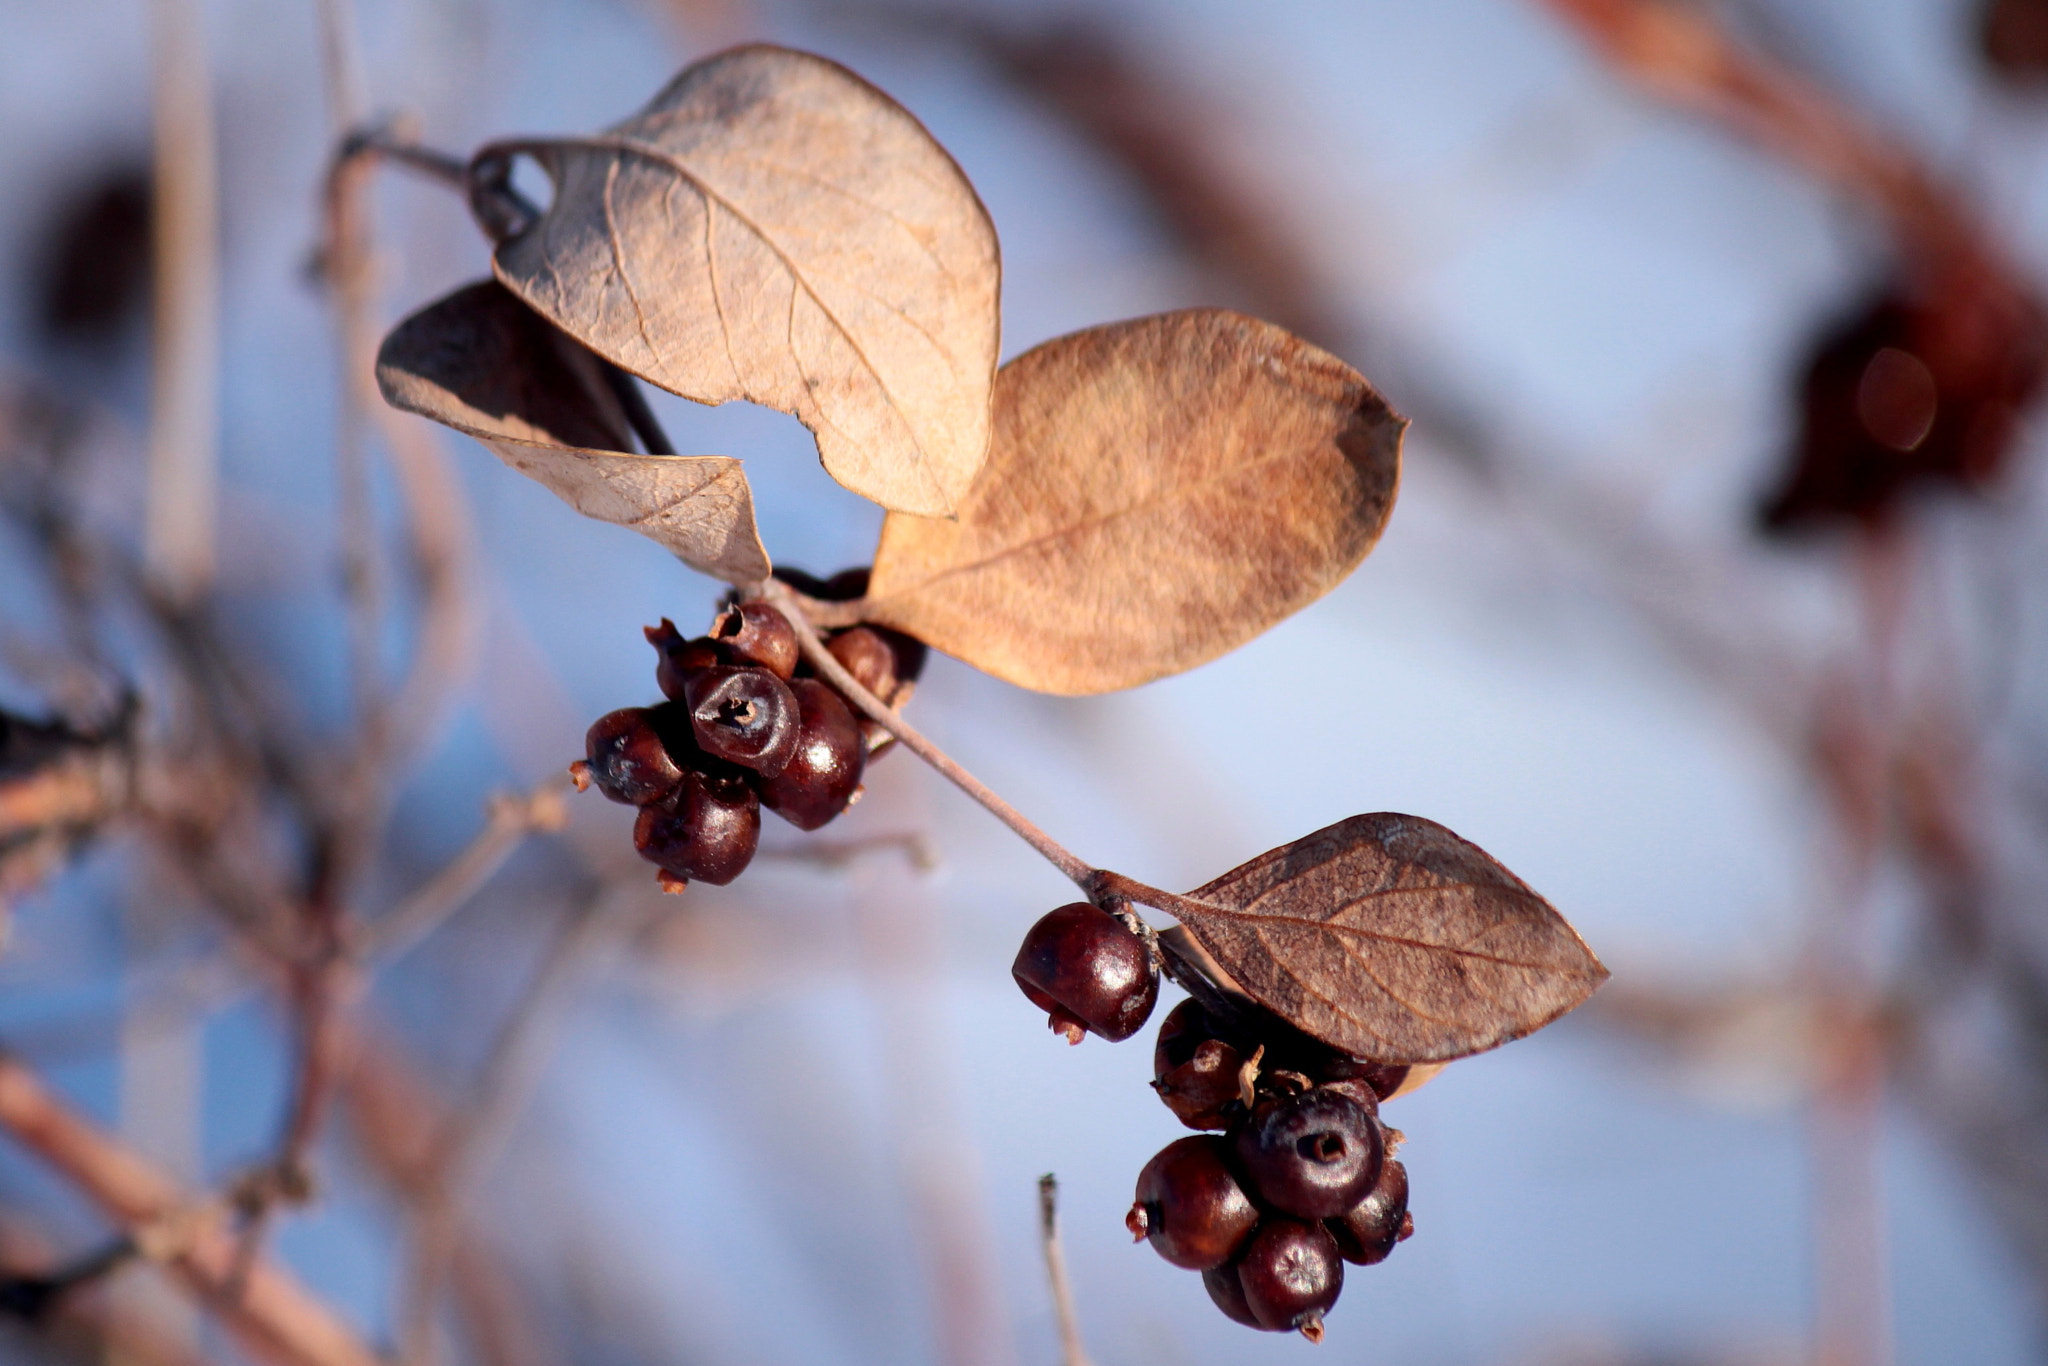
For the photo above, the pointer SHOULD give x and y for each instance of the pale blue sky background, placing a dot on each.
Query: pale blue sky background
(732, 1128)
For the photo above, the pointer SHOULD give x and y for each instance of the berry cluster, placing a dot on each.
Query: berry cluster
(745, 726)
(1301, 1177)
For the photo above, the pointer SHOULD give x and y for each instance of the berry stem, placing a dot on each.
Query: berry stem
(1104, 885)
(1101, 886)
(1078, 870)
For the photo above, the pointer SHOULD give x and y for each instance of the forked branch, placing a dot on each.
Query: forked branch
(272, 1315)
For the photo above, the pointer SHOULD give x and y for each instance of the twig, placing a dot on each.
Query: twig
(1079, 872)
(1683, 54)
(510, 820)
(513, 1070)
(915, 846)
(178, 538)
(274, 1317)
(387, 142)
(33, 1297)
(53, 776)
(1072, 1352)
(1102, 886)
(346, 259)
(399, 1121)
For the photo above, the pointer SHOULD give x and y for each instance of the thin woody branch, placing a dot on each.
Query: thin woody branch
(273, 1315)
(1680, 53)
(1073, 1352)
(820, 658)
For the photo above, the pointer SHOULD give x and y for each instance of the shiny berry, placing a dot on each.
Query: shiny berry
(884, 662)
(745, 716)
(628, 761)
(1385, 1078)
(880, 660)
(1359, 1089)
(680, 658)
(756, 633)
(1290, 1274)
(1222, 1284)
(823, 774)
(1084, 967)
(1195, 1072)
(705, 830)
(1367, 1232)
(1314, 1154)
(1190, 1206)
(863, 653)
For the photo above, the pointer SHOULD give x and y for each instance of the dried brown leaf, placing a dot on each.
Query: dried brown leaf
(1157, 493)
(484, 363)
(1393, 939)
(774, 228)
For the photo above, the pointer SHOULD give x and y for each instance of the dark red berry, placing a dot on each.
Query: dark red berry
(1190, 1206)
(745, 716)
(1291, 1275)
(1385, 1078)
(1080, 962)
(1367, 1232)
(756, 633)
(844, 586)
(628, 761)
(884, 662)
(1222, 1284)
(704, 831)
(826, 769)
(1313, 1154)
(887, 663)
(1359, 1089)
(863, 653)
(1920, 386)
(2013, 35)
(1194, 1071)
(680, 658)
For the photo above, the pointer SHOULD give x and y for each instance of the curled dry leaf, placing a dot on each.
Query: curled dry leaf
(1157, 493)
(774, 228)
(484, 363)
(1393, 939)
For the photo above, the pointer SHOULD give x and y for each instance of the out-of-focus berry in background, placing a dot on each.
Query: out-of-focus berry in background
(800, 1118)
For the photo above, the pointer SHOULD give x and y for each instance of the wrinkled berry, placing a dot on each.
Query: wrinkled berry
(826, 769)
(628, 761)
(884, 662)
(756, 633)
(880, 660)
(680, 658)
(1367, 1232)
(1290, 1275)
(1190, 1206)
(705, 830)
(1313, 1155)
(1081, 964)
(1193, 1070)
(745, 716)
(1222, 1284)
(863, 653)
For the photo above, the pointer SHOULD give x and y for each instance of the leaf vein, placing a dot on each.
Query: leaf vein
(1077, 528)
(618, 250)
(631, 147)
(1379, 936)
